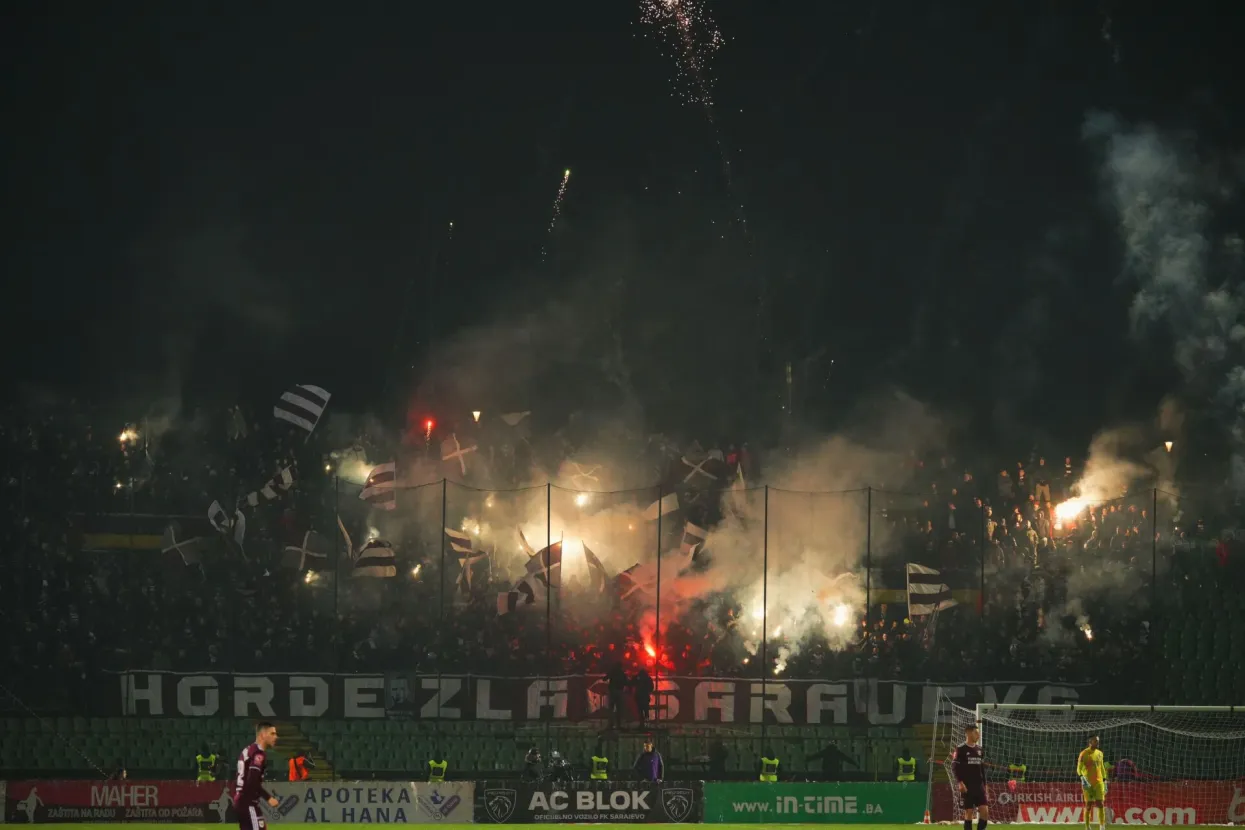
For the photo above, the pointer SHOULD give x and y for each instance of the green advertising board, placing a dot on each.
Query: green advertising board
(830, 803)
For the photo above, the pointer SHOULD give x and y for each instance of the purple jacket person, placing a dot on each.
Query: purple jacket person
(649, 765)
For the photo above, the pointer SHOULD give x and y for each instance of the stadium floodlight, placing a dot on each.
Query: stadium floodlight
(1165, 764)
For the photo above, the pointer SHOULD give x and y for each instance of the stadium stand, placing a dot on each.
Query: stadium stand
(87, 591)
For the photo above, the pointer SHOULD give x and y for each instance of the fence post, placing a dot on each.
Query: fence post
(657, 614)
(868, 562)
(337, 575)
(445, 497)
(981, 576)
(547, 564)
(1156, 673)
(764, 614)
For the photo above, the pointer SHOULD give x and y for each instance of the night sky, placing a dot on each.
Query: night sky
(216, 200)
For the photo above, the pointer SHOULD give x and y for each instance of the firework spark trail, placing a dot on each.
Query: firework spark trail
(557, 211)
(686, 30)
(690, 36)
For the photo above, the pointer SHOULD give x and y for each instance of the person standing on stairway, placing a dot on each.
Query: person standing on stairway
(299, 766)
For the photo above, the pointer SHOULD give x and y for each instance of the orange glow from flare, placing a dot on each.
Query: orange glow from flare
(1070, 509)
(662, 660)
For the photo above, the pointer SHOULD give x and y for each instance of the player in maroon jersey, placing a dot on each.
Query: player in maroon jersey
(968, 767)
(248, 780)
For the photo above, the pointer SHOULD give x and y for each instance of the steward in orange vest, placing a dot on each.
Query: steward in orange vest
(298, 767)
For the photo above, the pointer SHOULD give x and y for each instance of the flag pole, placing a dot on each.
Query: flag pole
(764, 615)
(548, 564)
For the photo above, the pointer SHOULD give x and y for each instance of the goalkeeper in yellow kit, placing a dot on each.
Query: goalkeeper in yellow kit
(1090, 766)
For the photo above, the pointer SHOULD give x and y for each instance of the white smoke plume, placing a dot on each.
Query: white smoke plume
(820, 529)
(815, 541)
(1165, 196)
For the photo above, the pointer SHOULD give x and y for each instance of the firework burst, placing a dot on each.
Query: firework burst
(691, 37)
(557, 210)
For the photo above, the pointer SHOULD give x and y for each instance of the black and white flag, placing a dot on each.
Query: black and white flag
(701, 470)
(272, 490)
(218, 517)
(523, 593)
(596, 571)
(380, 490)
(191, 550)
(693, 538)
(311, 555)
(928, 592)
(466, 576)
(376, 559)
(239, 528)
(460, 543)
(226, 526)
(668, 503)
(546, 566)
(638, 579)
(455, 454)
(463, 548)
(302, 406)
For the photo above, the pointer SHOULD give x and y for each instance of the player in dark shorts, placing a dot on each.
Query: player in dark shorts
(969, 769)
(248, 780)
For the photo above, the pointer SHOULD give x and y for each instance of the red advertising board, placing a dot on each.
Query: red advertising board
(162, 802)
(1167, 803)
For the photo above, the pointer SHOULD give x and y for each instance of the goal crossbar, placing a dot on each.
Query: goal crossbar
(1098, 707)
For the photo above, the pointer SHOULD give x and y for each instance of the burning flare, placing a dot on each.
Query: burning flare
(1070, 509)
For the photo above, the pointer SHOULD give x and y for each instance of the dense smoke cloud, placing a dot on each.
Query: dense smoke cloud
(819, 527)
(812, 530)
(1165, 197)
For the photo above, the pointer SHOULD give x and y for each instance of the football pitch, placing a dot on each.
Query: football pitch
(467, 826)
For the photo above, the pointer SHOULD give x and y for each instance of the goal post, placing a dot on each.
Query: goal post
(1166, 765)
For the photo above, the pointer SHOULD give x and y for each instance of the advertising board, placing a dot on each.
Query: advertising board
(1166, 803)
(171, 802)
(162, 802)
(371, 802)
(619, 802)
(809, 803)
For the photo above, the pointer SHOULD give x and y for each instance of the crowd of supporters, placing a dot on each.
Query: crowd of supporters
(1037, 598)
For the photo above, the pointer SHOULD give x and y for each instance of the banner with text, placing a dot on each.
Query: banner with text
(170, 802)
(677, 699)
(839, 803)
(162, 802)
(622, 802)
(376, 802)
(1166, 803)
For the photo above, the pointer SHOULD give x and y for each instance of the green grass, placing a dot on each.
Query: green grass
(455, 826)
(274, 825)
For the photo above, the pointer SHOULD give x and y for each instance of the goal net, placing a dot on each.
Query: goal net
(1166, 765)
